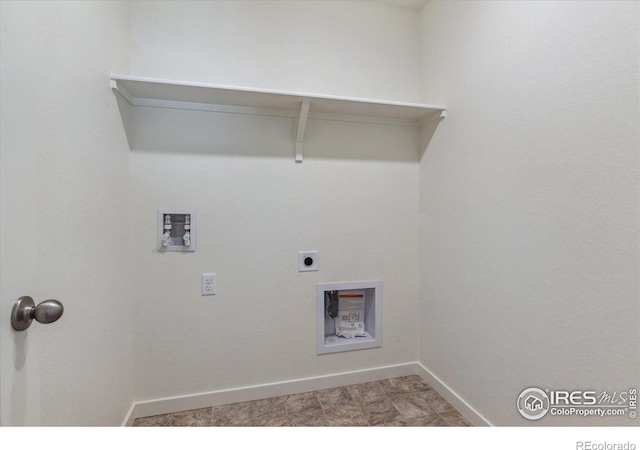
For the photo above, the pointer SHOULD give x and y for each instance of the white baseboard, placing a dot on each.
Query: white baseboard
(469, 413)
(257, 392)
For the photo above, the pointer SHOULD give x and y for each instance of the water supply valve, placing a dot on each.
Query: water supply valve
(176, 230)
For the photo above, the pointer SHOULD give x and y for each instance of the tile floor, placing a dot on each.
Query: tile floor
(403, 401)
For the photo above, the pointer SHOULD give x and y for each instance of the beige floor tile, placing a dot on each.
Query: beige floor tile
(301, 403)
(433, 420)
(396, 386)
(308, 418)
(270, 420)
(435, 401)
(270, 412)
(153, 421)
(335, 397)
(348, 415)
(367, 392)
(453, 419)
(234, 415)
(380, 412)
(417, 383)
(412, 405)
(193, 418)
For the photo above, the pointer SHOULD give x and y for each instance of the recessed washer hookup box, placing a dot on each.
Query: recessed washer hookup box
(349, 316)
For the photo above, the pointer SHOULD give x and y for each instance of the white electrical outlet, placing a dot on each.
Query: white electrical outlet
(208, 284)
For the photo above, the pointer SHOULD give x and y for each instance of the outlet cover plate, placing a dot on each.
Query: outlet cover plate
(302, 261)
(208, 284)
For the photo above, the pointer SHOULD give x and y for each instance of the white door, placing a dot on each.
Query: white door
(64, 197)
(19, 359)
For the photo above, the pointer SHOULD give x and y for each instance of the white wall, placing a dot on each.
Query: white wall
(82, 225)
(350, 48)
(354, 198)
(529, 201)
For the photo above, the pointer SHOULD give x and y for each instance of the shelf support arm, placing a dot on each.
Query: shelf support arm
(302, 124)
(120, 89)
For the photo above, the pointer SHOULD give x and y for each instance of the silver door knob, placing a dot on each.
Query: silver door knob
(25, 310)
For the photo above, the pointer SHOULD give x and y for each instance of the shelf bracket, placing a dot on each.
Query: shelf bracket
(302, 124)
(125, 101)
(120, 89)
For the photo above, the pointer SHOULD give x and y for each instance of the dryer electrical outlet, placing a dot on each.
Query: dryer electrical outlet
(308, 261)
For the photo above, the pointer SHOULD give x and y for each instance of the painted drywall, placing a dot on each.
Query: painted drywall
(354, 198)
(529, 202)
(346, 48)
(81, 227)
